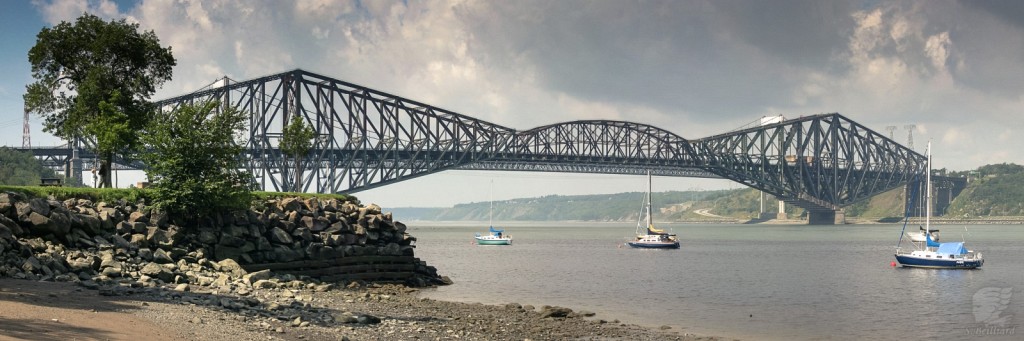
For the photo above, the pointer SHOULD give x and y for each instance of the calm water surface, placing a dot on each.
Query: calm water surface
(774, 282)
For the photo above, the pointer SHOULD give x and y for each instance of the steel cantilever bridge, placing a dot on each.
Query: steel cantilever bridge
(366, 138)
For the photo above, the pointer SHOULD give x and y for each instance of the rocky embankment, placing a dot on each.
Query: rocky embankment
(78, 240)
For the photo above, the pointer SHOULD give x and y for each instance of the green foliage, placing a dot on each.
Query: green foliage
(112, 129)
(297, 138)
(1003, 168)
(21, 169)
(132, 195)
(94, 79)
(193, 163)
(994, 195)
(885, 205)
(260, 195)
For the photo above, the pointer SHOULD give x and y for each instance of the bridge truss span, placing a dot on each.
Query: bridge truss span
(366, 138)
(819, 162)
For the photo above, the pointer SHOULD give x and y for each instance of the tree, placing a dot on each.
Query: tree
(21, 169)
(193, 160)
(94, 79)
(296, 140)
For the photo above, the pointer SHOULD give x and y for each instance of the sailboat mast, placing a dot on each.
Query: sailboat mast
(649, 203)
(928, 196)
(490, 209)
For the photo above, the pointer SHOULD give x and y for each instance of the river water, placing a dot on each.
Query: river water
(753, 282)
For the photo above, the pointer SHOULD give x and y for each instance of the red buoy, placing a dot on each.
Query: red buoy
(893, 263)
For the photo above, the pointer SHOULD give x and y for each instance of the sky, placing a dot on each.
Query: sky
(954, 70)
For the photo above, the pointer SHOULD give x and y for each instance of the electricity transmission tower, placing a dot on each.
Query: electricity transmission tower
(891, 130)
(910, 135)
(26, 137)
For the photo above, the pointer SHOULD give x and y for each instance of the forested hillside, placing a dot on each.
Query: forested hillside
(993, 190)
(21, 169)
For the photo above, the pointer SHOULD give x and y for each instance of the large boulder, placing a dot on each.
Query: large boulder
(290, 204)
(156, 271)
(11, 225)
(159, 238)
(279, 236)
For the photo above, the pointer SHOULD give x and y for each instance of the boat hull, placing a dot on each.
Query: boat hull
(495, 241)
(932, 263)
(648, 245)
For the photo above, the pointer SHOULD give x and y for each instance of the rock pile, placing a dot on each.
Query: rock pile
(79, 240)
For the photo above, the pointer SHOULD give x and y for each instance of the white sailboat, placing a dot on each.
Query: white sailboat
(493, 236)
(647, 236)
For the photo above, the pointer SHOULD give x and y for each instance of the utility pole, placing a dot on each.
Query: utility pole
(910, 135)
(891, 129)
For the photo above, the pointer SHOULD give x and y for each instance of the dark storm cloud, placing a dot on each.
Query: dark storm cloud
(990, 56)
(1010, 11)
(713, 58)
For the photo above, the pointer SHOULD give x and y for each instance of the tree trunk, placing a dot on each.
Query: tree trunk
(298, 175)
(105, 166)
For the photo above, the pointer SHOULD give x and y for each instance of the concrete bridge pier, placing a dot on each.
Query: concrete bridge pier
(782, 211)
(835, 217)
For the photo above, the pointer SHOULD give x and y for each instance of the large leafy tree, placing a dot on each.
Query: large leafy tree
(192, 159)
(296, 140)
(94, 79)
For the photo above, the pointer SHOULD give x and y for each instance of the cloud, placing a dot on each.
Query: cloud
(696, 68)
(55, 11)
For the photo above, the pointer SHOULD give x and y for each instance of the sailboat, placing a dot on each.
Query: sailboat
(930, 253)
(493, 236)
(647, 236)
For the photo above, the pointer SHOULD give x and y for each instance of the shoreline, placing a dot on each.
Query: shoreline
(51, 310)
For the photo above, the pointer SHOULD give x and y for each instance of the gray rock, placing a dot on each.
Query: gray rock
(367, 319)
(37, 205)
(232, 267)
(156, 271)
(40, 224)
(158, 218)
(138, 217)
(11, 225)
(279, 236)
(252, 277)
(208, 236)
(91, 224)
(157, 237)
(265, 284)
(162, 257)
(290, 204)
(547, 312)
(61, 224)
(32, 265)
(124, 227)
(112, 271)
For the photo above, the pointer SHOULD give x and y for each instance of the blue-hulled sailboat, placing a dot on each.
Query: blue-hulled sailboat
(647, 236)
(930, 253)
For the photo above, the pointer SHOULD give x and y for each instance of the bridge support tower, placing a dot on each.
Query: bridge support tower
(826, 217)
(782, 211)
